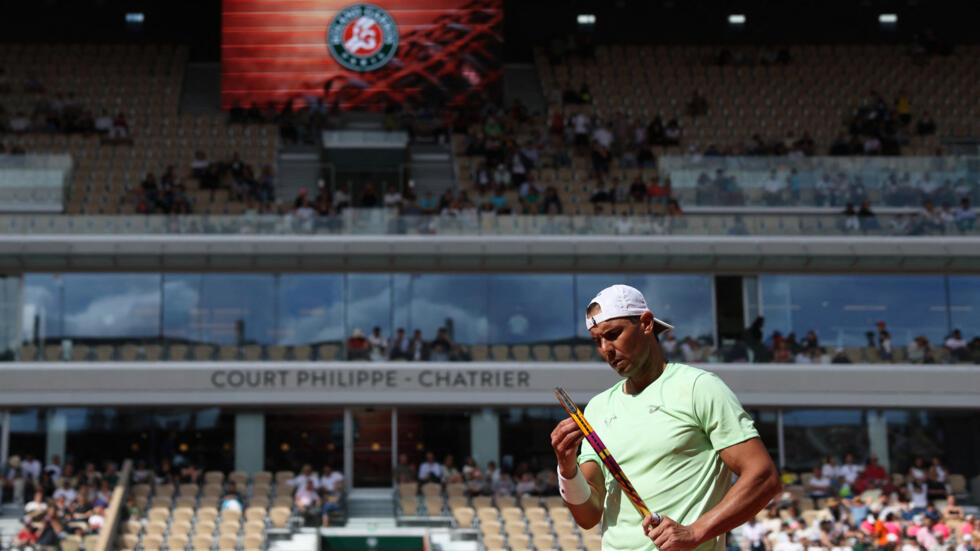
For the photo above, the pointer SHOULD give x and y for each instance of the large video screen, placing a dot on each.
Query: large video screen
(358, 55)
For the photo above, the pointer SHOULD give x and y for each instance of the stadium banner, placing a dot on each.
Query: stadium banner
(459, 384)
(359, 55)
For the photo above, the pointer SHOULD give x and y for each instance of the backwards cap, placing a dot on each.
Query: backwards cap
(622, 301)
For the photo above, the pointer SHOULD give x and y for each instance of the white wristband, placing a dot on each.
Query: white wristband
(575, 490)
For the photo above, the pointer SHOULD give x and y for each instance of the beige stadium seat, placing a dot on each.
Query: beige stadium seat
(141, 490)
(202, 542)
(493, 541)
(240, 478)
(276, 353)
(279, 516)
(52, 353)
(252, 352)
(229, 527)
(128, 541)
(227, 353)
(260, 501)
(214, 477)
(564, 527)
(283, 501)
(539, 527)
(209, 501)
(535, 514)
(160, 514)
(511, 514)
(481, 502)
(255, 514)
(231, 515)
(282, 477)
(188, 490)
(212, 490)
(499, 353)
(505, 501)
(327, 352)
(408, 488)
(90, 542)
(203, 353)
(177, 542)
(131, 526)
(528, 501)
(568, 542)
(186, 502)
(454, 490)
(464, 516)
(177, 352)
(209, 514)
(152, 541)
(490, 527)
(79, 352)
(431, 489)
(262, 477)
(255, 527)
(592, 542)
(479, 352)
(182, 527)
(28, 353)
(584, 352)
(541, 353)
(302, 353)
(253, 542)
(103, 353)
(518, 542)
(156, 527)
(521, 352)
(433, 505)
(409, 506)
(153, 353)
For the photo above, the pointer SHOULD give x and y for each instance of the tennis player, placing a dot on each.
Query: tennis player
(678, 433)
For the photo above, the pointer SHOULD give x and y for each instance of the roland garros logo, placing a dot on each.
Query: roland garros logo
(362, 37)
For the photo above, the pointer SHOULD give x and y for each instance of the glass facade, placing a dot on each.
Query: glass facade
(841, 309)
(296, 309)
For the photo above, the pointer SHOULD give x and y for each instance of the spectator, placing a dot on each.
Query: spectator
(120, 129)
(819, 484)
(601, 193)
(305, 475)
(851, 221)
(866, 218)
(378, 345)
(36, 508)
(341, 197)
(26, 538)
(103, 124)
(392, 198)
(358, 347)
(307, 500)
(330, 480)
(956, 347)
(840, 357)
(917, 350)
(399, 347)
(418, 348)
(369, 197)
(773, 189)
(441, 348)
(926, 125)
(332, 498)
(450, 474)
(430, 470)
(937, 479)
(690, 350)
(885, 345)
(782, 352)
(638, 191)
(965, 217)
(404, 471)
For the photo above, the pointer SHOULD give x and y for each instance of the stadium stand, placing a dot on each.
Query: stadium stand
(62, 93)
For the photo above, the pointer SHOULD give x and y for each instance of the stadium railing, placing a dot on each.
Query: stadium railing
(389, 222)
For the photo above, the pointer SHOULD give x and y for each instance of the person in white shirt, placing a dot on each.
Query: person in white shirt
(103, 123)
(430, 470)
(19, 123)
(54, 468)
(392, 198)
(305, 475)
(31, 467)
(341, 197)
(754, 536)
(97, 519)
(379, 345)
(819, 484)
(773, 189)
(957, 346)
(331, 480)
(829, 469)
(307, 495)
(603, 136)
(66, 491)
(849, 470)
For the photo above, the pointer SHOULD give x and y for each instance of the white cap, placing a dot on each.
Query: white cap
(622, 301)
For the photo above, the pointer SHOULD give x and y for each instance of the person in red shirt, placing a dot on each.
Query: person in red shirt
(27, 537)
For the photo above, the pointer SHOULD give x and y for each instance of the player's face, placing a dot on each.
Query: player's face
(622, 344)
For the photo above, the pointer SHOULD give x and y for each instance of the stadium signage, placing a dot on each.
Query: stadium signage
(366, 378)
(362, 37)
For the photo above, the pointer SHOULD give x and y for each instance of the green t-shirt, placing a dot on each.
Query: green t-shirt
(666, 439)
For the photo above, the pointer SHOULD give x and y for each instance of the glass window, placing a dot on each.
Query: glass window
(294, 437)
(224, 309)
(369, 303)
(964, 305)
(841, 309)
(429, 301)
(521, 441)
(534, 308)
(204, 437)
(814, 434)
(442, 432)
(91, 306)
(310, 308)
(28, 432)
(937, 433)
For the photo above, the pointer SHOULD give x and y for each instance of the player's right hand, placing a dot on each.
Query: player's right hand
(565, 440)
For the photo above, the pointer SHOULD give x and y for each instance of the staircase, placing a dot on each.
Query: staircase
(298, 168)
(521, 83)
(431, 167)
(371, 505)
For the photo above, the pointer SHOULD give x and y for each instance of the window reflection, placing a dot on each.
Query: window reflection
(814, 434)
(428, 302)
(310, 308)
(227, 309)
(531, 308)
(369, 303)
(964, 304)
(841, 309)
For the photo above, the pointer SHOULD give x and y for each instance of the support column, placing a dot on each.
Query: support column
(878, 437)
(57, 435)
(250, 441)
(781, 439)
(349, 448)
(4, 436)
(485, 436)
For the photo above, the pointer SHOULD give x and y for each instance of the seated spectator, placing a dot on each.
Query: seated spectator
(305, 475)
(404, 471)
(358, 347)
(851, 221)
(96, 520)
(956, 347)
(773, 189)
(953, 510)
(601, 193)
(307, 501)
(331, 502)
(399, 346)
(450, 474)
(551, 204)
(120, 128)
(330, 480)
(818, 485)
(26, 538)
(418, 348)
(35, 509)
(430, 470)
(103, 123)
(19, 123)
(782, 353)
(965, 217)
(441, 349)
(369, 197)
(392, 198)
(341, 197)
(638, 191)
(378, 345)
(690, 350)
(526, 485)
(866, 218)
(918, 350)
(937, 479)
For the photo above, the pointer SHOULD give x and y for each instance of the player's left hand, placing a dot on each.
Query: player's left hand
(668, 535)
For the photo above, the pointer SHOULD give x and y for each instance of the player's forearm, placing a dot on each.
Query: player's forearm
(744, 500)
(587, 514)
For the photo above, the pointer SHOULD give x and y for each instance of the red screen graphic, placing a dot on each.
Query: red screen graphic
(276, 50)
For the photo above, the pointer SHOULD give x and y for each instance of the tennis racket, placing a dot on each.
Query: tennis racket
(604, 454)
